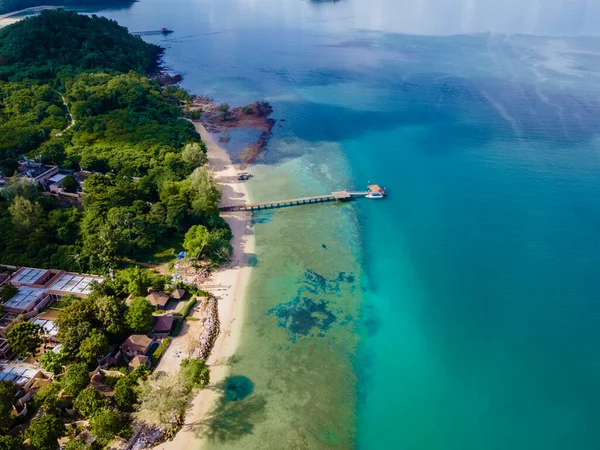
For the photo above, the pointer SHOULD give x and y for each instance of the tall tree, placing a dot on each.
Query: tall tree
(139, 316)
(93, 347)
(24, 338)
(193, 155)
(164, 400)
(89, 401)
(196, 240)
(8, 390)
(106, 424)
(43, 432)
(205, 193)
(75, 379)
(26, 215)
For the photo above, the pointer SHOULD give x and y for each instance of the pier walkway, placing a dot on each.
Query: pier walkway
(341, 196)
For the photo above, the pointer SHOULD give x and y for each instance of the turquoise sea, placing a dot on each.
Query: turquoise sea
(463, 311)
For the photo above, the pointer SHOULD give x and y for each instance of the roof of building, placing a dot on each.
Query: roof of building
(178, 294)
(17, 374)
(138, 361)
(24, 298)
(27, 275)
(162, 324)
(57, 178)
(48, 326)
(157, 298)
(136, 342)
(74, 283)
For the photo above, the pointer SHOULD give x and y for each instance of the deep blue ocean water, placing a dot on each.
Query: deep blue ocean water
(479, 297)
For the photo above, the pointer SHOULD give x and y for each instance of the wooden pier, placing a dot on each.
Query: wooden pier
(340, 196)
(151, 32)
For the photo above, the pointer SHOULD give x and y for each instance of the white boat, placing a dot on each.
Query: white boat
(374, 195)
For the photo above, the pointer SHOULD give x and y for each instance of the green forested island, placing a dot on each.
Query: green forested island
(16, 5)
(74, 94)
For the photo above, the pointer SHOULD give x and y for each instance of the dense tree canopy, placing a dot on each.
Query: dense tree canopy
(43, 433)
(75, 379)
(24, 338)
(106, 424)
(7, 397)
(58, 41)
(150, 181)
(89, 401)
(139, 315)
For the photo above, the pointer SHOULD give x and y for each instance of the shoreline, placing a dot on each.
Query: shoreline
(234, 279)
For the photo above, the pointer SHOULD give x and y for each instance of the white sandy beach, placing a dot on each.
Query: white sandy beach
(233, 279)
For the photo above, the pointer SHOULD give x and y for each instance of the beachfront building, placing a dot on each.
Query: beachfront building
(162, 325)
(158, 299)
(135, 345)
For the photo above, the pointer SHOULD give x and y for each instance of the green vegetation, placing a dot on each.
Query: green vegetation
(147, 185)
(93, 347)
(150, 182)
(160, 351)
(188, 307)
(44, 432)
(24, 338)
(46, 397)
(7, 396)
(52, 362)
(77, 444)
(75, 379)
(8, 442)
(8, 291)
(50, 44)
(164, 400)
(89, 401)
(106, 424)
(194, 373)
(139, 316)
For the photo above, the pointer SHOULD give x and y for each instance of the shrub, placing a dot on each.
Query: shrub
(188, 306)
(194, 373)
(160, 351)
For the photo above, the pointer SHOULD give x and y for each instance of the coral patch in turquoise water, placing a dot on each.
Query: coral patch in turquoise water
(308, 314)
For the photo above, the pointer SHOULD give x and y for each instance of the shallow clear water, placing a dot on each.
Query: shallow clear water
(462, 311)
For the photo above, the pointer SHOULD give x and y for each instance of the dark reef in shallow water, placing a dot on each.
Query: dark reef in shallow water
(238, 388)
(307, 314)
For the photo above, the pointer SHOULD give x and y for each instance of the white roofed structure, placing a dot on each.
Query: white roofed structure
(72, 283)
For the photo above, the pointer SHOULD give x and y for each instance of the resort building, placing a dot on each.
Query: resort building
(162, 325)
(158, 299)
(33, 172)
(39, 287)
(136, 344)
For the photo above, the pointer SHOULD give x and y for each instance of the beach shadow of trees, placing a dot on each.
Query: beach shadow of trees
(230, 421)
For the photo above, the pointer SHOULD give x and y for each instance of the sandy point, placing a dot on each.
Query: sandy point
(232, 281)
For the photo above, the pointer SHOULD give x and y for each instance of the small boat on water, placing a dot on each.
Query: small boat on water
(375, 192)
(244, 176)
